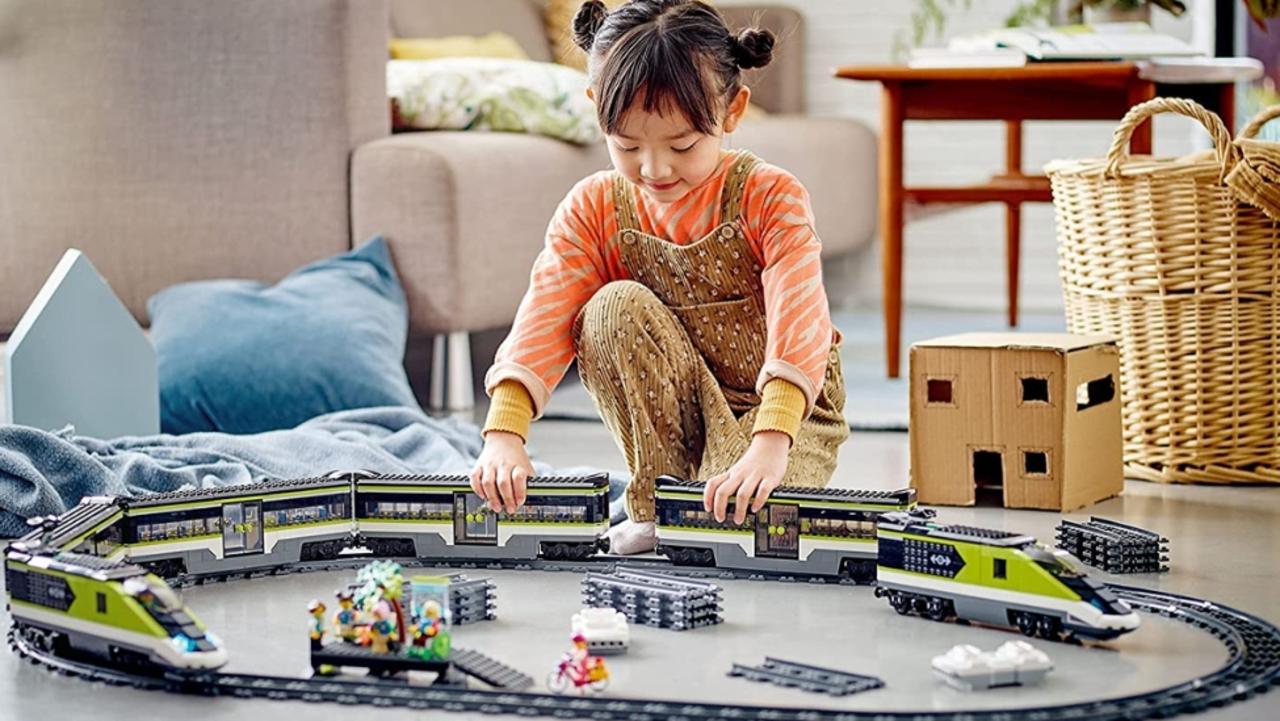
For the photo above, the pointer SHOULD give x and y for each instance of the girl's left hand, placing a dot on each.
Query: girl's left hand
(757, 473)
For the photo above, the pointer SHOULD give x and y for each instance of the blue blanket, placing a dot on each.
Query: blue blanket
(44, 473)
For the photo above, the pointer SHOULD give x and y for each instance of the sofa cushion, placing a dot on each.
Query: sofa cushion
(240, 356)
(493, 94)
(835, 159)
(491, 45)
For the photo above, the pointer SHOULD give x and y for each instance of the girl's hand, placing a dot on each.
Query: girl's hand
(502, 471)
(757, 473)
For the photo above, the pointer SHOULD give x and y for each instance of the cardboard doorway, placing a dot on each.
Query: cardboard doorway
(988, 477)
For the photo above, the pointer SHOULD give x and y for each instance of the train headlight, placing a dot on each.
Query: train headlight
(183, 643)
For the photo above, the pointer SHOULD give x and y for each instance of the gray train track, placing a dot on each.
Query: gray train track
(600, 564)
(814, 679)
(1252, 667)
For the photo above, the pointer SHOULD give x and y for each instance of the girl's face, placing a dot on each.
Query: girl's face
(662, 153)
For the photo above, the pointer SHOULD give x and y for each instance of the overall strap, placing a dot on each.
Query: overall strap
(734, 183)
(624, 203)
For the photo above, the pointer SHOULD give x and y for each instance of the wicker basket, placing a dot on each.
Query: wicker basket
(1161, 254)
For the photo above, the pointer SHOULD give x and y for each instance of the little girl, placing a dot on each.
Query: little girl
(686, 282)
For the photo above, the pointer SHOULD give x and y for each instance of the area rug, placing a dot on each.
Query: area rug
(874, 402)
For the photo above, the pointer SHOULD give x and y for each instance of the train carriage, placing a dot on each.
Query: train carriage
(820, 531)
(440, 517)
(239, 528)
(947, 572)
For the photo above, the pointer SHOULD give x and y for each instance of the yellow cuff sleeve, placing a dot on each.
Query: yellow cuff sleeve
(781, 408)
(510, 409)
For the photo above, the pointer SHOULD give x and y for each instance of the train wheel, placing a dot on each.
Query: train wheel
(1025, 623)
(918, 604)
(1048, 628)
(939, 609)
(900, 602)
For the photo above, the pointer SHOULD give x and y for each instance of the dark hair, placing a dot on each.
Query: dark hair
(679, 53)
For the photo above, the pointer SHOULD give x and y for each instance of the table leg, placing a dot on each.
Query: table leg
(1012, 218)
(1141, 91)
(1227, 106)
(891, 119)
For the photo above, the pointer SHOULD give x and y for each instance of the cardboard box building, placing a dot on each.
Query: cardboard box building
(1032, 420)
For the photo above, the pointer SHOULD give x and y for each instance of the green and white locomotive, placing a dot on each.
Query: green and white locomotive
(953, 572)
(819, 531)
(75, 604)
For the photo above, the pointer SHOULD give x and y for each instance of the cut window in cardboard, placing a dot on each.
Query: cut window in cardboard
(1035, 463)
(1035, 390)
(939, 391)
(1095, 393)
(998, 568)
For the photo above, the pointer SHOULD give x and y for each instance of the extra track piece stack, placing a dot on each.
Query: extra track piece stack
(472, 600)
(1114, 547)
(654, 599)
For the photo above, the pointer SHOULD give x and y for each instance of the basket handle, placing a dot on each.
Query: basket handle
(1255, 123)
(1139, 113)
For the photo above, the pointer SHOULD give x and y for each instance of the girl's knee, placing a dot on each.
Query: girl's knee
(613, 314)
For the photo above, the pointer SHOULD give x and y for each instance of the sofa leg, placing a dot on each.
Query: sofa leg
(451, 388)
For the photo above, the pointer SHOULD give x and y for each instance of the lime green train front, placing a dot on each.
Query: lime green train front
(992, 576)
(75, 603)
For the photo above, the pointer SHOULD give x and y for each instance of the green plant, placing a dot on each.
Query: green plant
(929, 18)
(1262, 10)
(927, 15)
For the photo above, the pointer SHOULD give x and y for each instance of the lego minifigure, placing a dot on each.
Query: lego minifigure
(382, 632)
(578, 667)
(430, 634)
(344, 619)
(316, 609)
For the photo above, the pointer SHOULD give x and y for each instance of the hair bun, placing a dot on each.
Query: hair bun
(587, 23)
(752, 48)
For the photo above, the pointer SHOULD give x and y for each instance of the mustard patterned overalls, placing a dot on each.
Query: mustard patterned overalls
(671, 357)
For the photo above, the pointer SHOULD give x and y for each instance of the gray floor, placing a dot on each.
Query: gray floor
(1224, 547)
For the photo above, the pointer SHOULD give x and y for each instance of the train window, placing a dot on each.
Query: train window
(998, 569)
(102, 602)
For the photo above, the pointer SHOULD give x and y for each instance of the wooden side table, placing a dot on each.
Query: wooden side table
(1041, 91)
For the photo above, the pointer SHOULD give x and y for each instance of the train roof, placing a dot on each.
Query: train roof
(921, 526)
(900, 497)
(78, 564)
(244, 489)
(591, 481)
(84, 517)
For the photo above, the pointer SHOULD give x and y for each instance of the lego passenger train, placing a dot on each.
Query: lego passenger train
(819, 531)
(277, 523)
(952, 572)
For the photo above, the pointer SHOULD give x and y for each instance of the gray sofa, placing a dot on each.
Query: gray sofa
(173, 140)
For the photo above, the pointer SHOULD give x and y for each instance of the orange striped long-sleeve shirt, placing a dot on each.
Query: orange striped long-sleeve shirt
(581, 255)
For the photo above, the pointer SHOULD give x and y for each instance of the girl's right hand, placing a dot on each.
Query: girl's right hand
(501, 472)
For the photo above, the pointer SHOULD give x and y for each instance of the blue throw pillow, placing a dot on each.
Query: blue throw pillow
(239, 356)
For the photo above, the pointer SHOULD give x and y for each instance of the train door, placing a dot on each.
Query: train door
(778, 531)
(473, 520)
(242, 528)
